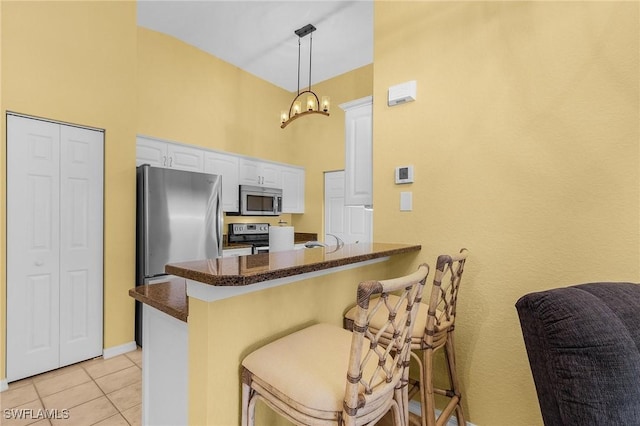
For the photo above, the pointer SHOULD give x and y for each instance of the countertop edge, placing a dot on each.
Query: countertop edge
(169, 297)
(243, 280)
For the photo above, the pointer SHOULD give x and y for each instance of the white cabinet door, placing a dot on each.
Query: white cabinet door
(259, 173)
(185, 158)
(249, 172)
(358, 152)
(159, 153)
(152, 152)
(292, 189)
(271, 175)
(54, 245)
(227, 167)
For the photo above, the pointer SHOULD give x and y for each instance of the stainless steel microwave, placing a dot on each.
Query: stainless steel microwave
(260, 201)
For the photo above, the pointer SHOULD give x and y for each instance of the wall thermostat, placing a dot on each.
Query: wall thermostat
(404, 174)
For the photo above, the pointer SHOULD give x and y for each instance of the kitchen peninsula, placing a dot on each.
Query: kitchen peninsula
(235, 305)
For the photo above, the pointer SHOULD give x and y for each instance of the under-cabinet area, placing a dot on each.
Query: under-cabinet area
(235, 170)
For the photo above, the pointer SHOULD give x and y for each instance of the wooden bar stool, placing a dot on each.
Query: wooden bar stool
(325, 374)
(434, 330)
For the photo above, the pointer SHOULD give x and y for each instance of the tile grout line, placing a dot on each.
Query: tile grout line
(103, 394)
(40, 398)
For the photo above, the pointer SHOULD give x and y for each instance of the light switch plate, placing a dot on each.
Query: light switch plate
(406, 201)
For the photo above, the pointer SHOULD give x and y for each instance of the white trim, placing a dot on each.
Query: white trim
(4, 385)
(118, 350)
(49, 120)
(356, 103)
(414, 407)
(210, 293)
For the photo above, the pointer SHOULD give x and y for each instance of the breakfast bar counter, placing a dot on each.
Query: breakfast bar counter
(191, 370)
(245, 270)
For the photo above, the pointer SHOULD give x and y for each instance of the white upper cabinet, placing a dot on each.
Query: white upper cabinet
(226, 166)
(235, 170)
(260, 173)
(358, 152)
(292, 189)
(165, 154)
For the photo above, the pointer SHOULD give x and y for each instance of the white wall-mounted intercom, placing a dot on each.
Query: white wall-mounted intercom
(402, 93)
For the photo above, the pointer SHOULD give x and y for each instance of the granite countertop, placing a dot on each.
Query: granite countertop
(169, 297)
(245, 270)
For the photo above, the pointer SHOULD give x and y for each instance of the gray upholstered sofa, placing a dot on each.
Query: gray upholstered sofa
(583, 344)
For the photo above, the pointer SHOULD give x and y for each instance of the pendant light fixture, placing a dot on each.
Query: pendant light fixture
(312, 104)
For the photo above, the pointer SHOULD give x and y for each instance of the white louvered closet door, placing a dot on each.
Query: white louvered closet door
(54, 245)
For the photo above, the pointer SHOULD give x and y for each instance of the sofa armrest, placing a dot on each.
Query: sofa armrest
(583, 344)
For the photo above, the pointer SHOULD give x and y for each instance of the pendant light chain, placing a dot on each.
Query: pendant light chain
(299, 38)
(310, 48)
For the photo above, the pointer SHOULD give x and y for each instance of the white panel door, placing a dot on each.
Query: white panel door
(81, 242)
(54, 245)
(350, 223)
(358, 152)
(33, 238)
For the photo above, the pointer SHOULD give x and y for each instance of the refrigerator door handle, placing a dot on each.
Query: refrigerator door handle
(145, 206)
(220, 220)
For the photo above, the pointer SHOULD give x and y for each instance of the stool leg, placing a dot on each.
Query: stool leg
(453, 377)
(428, 400)
(249, 398)
(246, 392)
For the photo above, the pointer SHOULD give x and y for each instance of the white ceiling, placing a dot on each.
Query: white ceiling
(258, 36)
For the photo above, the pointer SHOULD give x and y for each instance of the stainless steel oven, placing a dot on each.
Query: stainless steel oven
(260, 201)
(254, 234)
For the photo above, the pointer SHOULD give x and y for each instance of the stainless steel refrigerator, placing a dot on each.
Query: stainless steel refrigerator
(179, 218)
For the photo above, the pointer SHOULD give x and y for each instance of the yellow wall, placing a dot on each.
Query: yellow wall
(525, 142)
(76, 62)
(189, 96)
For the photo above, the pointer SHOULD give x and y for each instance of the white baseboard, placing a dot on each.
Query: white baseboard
(415, 408)
(4, 385)
(118, 350)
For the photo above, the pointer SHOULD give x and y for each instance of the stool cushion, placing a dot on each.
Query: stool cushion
(308, 366)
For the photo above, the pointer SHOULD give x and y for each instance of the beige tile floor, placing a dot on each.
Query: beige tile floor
(95, 392)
